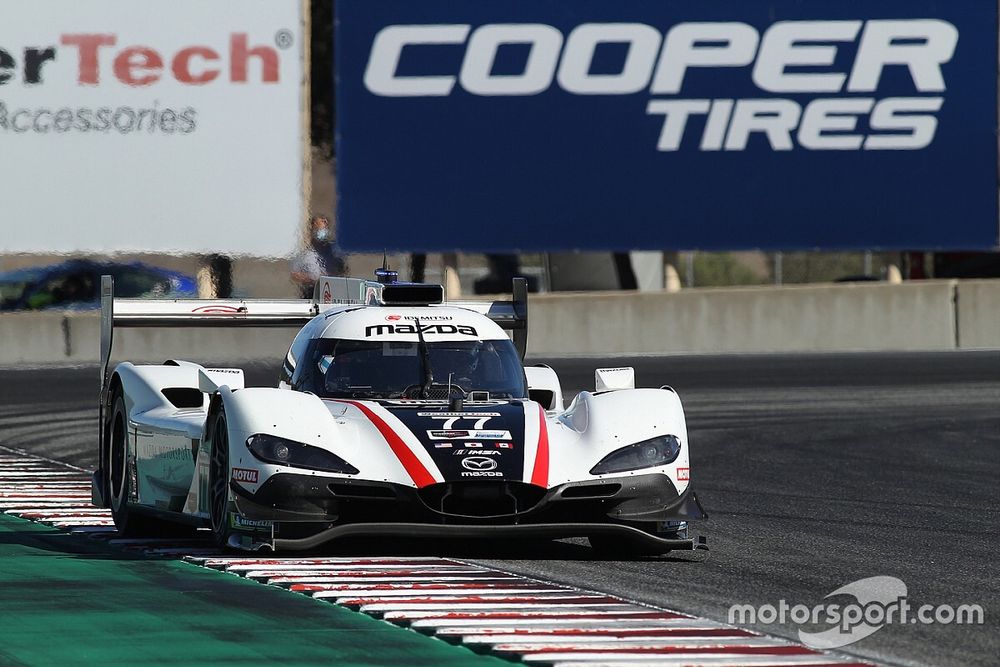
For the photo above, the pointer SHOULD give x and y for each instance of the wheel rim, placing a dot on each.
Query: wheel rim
(219, 474)
(118, 461)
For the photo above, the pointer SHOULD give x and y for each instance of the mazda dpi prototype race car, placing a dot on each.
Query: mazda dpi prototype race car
(395, 414)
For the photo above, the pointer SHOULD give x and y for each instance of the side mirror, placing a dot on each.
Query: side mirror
(612, 379)
(544, 387)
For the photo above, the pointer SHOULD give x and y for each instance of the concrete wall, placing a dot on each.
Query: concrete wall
(859, 316)
(74, 338)
(926, 315)
(978, 305)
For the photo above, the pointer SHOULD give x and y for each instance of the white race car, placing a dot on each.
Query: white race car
(396, 414)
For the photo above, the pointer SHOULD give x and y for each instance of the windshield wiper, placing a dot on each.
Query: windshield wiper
(425, 358)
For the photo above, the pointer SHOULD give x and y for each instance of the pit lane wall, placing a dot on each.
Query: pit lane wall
(927, 315)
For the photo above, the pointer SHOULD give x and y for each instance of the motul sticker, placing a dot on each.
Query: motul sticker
(683, 474)
(245, 475)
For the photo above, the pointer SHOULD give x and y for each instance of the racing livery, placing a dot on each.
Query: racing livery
(395, 414)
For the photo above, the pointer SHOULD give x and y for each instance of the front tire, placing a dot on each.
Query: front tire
(218, 479)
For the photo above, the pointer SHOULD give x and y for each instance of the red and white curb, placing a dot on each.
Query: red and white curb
(514, 617)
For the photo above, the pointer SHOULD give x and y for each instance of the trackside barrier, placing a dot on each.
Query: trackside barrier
(808, 318)
(927, 315)
(978, 308)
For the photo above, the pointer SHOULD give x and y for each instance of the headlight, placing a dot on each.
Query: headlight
(650, 453)
(272, 449)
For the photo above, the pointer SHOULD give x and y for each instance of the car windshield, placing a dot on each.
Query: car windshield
(380, 369)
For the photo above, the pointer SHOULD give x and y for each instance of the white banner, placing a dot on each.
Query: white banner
(168, 126)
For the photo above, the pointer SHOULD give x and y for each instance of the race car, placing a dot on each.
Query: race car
(396, 414)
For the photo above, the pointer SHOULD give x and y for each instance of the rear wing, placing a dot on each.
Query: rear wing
(117, 313)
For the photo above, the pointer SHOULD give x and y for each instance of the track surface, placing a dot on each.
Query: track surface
(817, 470)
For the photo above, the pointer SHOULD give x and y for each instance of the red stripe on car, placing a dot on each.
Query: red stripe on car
(414, 468)
(540, 473)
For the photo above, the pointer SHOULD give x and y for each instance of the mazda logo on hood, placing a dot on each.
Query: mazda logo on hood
(478, 463)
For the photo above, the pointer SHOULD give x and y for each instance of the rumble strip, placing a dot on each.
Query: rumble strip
(521, 619)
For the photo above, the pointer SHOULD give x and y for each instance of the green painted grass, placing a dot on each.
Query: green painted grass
(72, 601)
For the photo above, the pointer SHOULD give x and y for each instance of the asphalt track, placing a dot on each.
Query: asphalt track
(817, 470)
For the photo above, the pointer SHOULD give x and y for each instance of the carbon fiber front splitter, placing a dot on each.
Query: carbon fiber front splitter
(550, 531)
(309, 511)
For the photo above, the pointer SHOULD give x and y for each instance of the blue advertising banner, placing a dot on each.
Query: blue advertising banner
(544, 125)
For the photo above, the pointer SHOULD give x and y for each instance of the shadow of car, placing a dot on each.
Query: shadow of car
(75, 284)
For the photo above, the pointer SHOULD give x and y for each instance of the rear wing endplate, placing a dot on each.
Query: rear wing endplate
(510, 315)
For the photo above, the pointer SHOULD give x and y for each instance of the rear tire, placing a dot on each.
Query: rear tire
(218, 479)
(120, 479)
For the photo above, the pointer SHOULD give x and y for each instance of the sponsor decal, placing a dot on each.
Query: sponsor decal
(219, 309)
(477, 452)
(237, 521)
(468, 435)
(448, 435)
(683, 474)
(834, 105)
(194, 64)
(482, 473)
(150, 449)
(232, 371)
(327, 294)
(245, 475)
(422, 318)
(458, 415)
(233, 60)
(479, 463)
(491, 435)
(391, 329)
